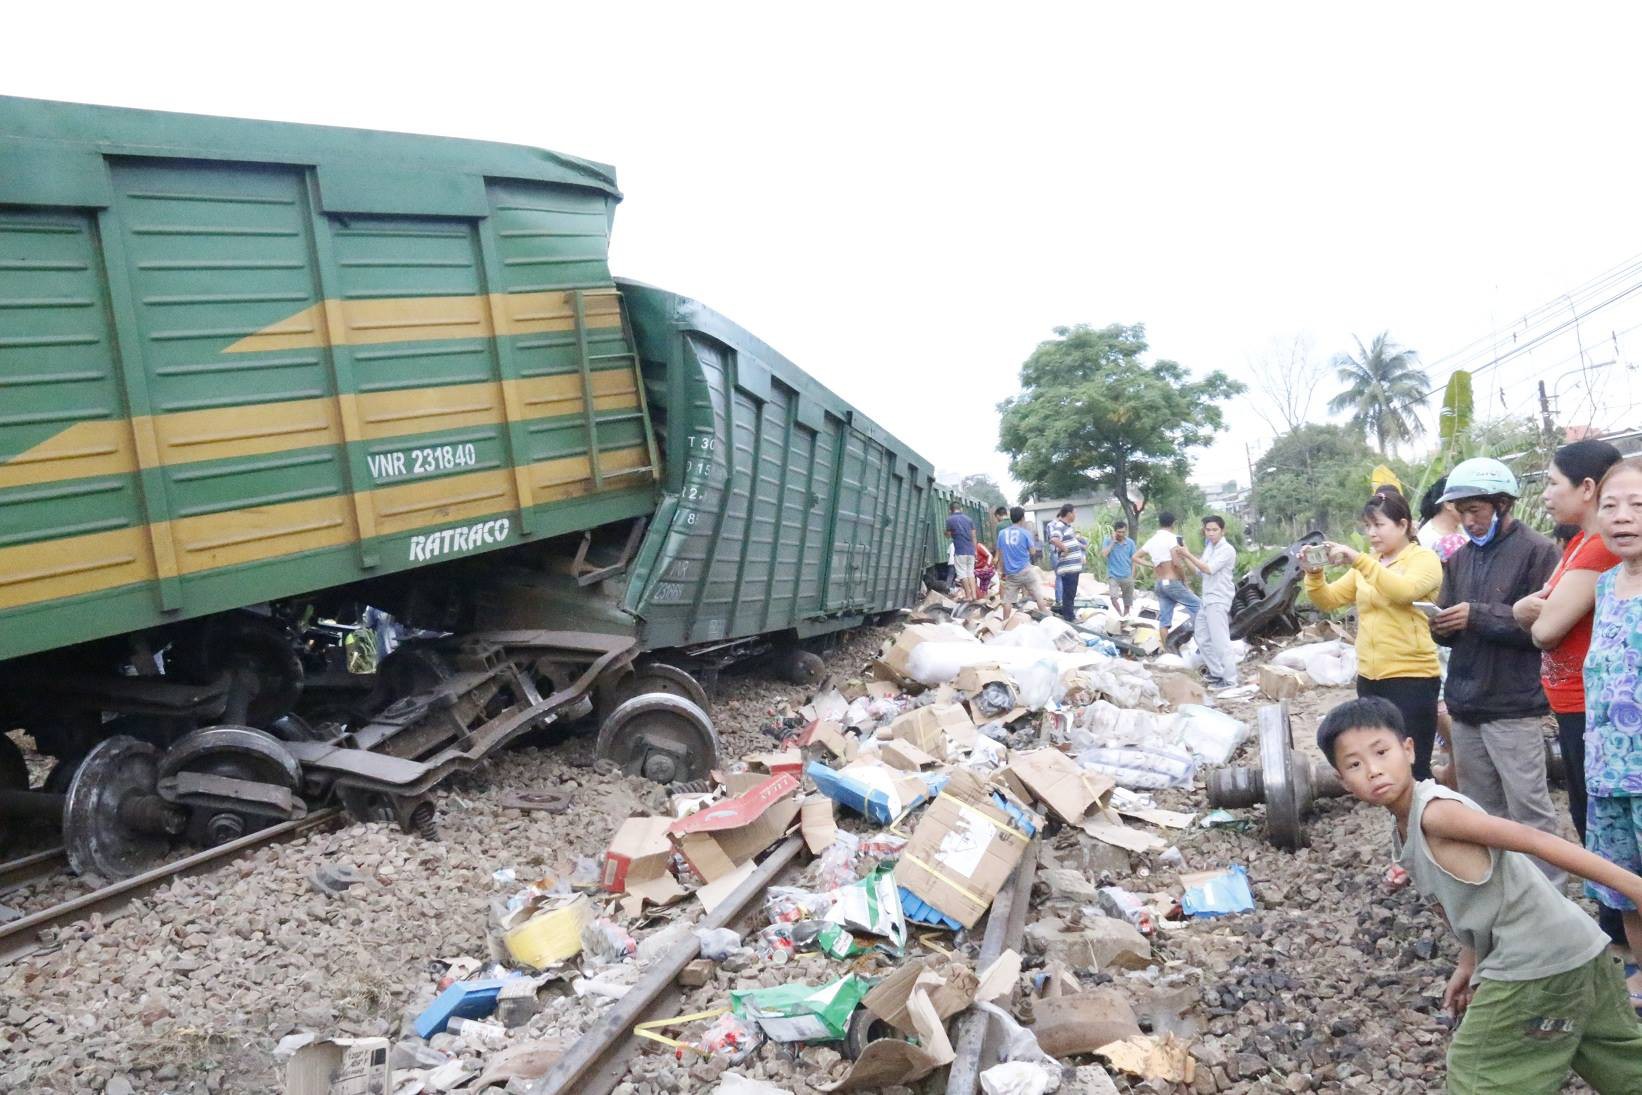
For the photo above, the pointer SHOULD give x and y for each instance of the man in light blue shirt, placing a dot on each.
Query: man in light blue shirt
(1015, 546)
(1119, 551)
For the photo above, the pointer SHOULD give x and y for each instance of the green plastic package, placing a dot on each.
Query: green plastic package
(802, 1013)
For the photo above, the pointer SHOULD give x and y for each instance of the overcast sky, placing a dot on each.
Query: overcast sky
(905, 199)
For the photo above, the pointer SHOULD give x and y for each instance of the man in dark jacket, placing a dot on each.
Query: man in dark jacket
(1493, 691)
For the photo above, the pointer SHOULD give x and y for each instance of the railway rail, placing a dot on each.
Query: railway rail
(21, 937)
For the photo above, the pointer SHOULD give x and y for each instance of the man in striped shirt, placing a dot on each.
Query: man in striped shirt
(1069, 552)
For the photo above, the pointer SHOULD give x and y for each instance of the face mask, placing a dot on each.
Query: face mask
(1487, 538)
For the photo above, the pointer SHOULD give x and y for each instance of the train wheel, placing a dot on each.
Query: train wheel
(802, 667)
(265, 780)
(665, 738)
(114, 825)
(657, 677)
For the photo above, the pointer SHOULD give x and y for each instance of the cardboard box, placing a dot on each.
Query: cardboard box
(934, 729)
(904, 756)
(788, 761)
(1279, 682)
(964, 848)
(829, 735)
(640, 850)
(888, 999)
(729, 833)
(340, 1066)
(1054, 779)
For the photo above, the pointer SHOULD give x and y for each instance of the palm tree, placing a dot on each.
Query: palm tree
(1385, 387)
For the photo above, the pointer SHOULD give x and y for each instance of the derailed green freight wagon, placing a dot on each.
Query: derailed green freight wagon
(241, 361)
(784, 509)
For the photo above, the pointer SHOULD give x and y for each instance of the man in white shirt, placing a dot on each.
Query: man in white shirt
(1159, 554)
(1212, 628)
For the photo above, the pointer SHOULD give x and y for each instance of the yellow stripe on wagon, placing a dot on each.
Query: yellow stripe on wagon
(76, 565)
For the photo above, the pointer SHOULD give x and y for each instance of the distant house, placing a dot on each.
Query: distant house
(1228, 500)
(1040, 511)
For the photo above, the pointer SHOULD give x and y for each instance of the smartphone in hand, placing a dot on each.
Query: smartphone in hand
(1430, 610)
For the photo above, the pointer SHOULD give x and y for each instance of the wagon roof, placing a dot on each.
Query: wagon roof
(124, 131)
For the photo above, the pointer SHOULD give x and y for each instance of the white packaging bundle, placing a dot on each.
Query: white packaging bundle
(1211, 736)
(1333, 668)
(1144, 769)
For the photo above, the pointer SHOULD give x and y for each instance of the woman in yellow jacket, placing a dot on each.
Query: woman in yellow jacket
(1396, 657)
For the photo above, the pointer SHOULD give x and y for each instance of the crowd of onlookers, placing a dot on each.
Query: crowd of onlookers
(1471, 626)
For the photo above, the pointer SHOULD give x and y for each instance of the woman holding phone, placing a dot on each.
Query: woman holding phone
(1396, 656)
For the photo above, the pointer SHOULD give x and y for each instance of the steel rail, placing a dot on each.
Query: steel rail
(1005, 924)
(16, 872)
(20, 937)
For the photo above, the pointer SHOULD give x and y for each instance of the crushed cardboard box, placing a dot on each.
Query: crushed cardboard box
(1054, 779)
(817, 823)
(638, 856)
(888, 999)
(965, 847)
(939, 729)
(729, 833)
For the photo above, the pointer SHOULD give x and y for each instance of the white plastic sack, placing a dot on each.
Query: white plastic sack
(1020, 1046)
(1038, 684)
(1018, 1078)
(1169, 661)
(1113, 725)
(1333, 668)
(1211, 736)
(1142, 768)
(1295, 657)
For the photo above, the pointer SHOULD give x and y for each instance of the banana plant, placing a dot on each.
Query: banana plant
(1453, 430)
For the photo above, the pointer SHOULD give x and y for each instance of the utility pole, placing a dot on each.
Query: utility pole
(1545, 416)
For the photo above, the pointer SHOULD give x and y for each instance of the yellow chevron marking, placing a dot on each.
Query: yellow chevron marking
(426, 319)
(79, 451)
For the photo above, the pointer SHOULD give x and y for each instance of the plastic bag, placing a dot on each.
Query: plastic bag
(1142, 768)
(994, 699)
(717, 944)
(1333, 668)
(603, 940)
(840, 863)
(731, 1038)
(1018, 1078)
(1211, 736)
(1020, 1044)
(789, 905)
(1221, 894)
(1038, 684)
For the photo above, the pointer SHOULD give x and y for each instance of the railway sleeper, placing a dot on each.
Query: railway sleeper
(474, 695)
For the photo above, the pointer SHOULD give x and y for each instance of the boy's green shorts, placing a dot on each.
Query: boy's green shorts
(1522, 1037)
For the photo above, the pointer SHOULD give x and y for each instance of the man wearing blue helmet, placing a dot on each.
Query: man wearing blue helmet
(1492, 692)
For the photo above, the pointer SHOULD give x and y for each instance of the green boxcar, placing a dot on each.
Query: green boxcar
(242, 361)
(784, 509)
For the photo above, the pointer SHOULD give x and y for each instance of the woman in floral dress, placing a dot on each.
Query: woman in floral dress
(1613, 700)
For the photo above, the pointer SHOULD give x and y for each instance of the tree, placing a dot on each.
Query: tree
(1286, 373)
(1385, 388)
(984, 489)
(1314, 476)
(1090, 415)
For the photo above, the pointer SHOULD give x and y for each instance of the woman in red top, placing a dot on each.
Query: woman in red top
(1559, 616)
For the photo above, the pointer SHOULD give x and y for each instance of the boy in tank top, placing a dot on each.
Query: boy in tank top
(1538, 992)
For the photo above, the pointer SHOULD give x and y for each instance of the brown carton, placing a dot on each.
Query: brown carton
(1279, 682)
(934, 728)
(1055, 780)
(962, 851)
